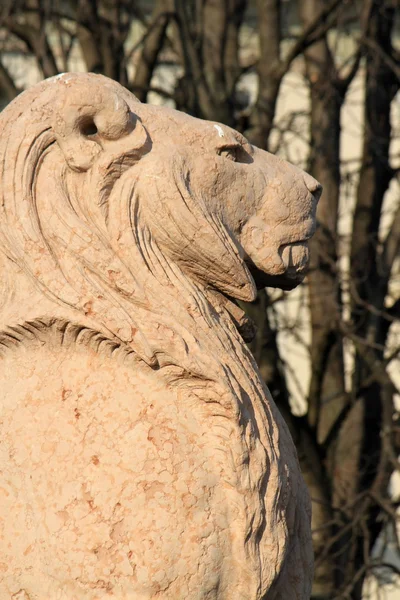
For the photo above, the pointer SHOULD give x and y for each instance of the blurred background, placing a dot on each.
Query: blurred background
(317, 82)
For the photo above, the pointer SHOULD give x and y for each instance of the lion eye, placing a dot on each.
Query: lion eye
(229, 153)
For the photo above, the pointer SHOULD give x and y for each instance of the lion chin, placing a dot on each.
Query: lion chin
(295, 260)
(143, 455)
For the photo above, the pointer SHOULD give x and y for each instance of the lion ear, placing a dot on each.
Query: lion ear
(91, 119)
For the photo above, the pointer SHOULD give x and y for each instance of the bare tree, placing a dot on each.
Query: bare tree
(50, 30)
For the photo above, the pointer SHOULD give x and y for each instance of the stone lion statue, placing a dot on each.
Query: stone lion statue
(141, 455)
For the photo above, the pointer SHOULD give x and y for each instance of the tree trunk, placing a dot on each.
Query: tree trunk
(327, 395)
(102, 37)
(152, 46)
(206, 30)
(269, 69)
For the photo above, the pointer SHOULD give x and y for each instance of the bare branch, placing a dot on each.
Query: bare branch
(152, 44)
(386, 58)
(314, 31)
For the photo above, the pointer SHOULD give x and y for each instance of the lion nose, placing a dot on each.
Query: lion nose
(313, 186)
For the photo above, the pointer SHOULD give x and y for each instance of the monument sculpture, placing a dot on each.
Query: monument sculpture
(141, 455)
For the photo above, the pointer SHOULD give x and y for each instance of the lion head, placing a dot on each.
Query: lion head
(139, 224)
(95, 184)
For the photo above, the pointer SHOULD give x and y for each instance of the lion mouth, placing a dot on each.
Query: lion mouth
(292, 259)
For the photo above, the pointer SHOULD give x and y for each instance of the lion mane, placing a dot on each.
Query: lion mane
(119, 247)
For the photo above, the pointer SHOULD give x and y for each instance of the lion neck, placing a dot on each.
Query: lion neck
(198, 352)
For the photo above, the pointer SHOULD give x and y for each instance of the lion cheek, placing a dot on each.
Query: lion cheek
(267, 260)
(261, 247)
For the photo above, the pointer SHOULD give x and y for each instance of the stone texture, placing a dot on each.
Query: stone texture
(141, 456)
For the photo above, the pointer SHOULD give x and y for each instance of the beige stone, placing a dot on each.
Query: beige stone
(141, 456)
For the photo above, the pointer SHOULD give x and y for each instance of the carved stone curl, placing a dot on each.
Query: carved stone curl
(141, 456)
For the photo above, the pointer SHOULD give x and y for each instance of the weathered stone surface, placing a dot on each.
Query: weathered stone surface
(141, 456)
